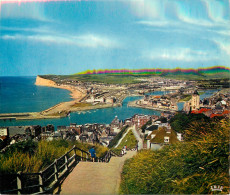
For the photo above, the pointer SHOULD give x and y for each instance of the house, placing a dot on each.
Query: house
(4, 131)
(49, 128)
(62, 128)
(140, 120)
(14, 130)
(161, 137)
(73, 125)
(36, 130)
(115, 125)
(45, 135)
(54, 136)
(110, 100)
(151, 128)
(83, 137)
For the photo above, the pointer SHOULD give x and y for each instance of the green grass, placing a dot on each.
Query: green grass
(133, 78)
(30, 157)
(186, 98)
(129, 141)
(185, 168)
(102, 78)
(115, 140)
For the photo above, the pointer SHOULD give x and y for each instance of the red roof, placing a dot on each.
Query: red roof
(213, 115)
(200, 111)
(225, 112)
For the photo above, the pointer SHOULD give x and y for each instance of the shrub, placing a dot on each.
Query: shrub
(188, 168)
(31, 156)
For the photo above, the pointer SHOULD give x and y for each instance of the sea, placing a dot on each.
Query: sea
(20, 94)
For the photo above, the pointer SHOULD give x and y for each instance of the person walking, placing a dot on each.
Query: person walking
(92, 152)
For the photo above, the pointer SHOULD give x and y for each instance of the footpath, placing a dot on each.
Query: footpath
(96, 178)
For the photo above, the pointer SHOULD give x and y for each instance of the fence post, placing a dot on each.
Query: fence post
(55, 170)
(86, 157)
(66, 162)
(81, 156)
(19, 182)
(75, 155)
(41, 182)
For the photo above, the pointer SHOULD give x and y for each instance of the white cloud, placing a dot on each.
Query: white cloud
(224, 45)
(90, 40)
(94, 41)
(146, 8)
(178, 54)
(154, 23)
(24, 10)
(155, 13)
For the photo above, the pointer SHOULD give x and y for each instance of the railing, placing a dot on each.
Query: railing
(47, 180)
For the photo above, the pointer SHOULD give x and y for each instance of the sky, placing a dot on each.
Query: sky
(66, 37)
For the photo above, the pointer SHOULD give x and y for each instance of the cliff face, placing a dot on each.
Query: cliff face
(45, 82)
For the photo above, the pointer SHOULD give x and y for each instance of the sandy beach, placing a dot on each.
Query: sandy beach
(76, 93)
(63, 107)
(59, 110)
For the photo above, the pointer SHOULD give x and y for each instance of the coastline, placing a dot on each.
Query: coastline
(75, 93)
(59, 110)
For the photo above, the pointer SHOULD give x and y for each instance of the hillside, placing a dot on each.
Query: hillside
(135, 76)
(190, 167)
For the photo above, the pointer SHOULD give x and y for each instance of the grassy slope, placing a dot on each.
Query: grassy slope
(33, 157)
(130, 79)
(191, 167)
(129, 141)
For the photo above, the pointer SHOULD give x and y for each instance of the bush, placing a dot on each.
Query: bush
(186, 168)
(30, 157)
(181, 121)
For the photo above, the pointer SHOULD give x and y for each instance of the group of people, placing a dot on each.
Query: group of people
(92, 152)
(123, 151)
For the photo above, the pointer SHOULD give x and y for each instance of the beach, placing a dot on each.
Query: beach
(76, 93)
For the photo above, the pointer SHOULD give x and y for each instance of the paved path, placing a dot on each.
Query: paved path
(95, 178)
(137, 135)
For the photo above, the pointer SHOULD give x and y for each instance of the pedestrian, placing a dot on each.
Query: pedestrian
(124, 148)
(92, 152)
(122, 152)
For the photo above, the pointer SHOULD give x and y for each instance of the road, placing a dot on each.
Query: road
(137, 135)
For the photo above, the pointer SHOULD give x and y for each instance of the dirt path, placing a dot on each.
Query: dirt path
(96, 178)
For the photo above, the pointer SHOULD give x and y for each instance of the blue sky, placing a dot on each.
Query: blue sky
(67, 37)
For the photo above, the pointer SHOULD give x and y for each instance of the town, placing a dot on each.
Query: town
(147, 126)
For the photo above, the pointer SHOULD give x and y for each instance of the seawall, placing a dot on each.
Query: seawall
(45, 82)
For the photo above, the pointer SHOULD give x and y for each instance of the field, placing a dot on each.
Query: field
(221, 78)
(102, 78)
